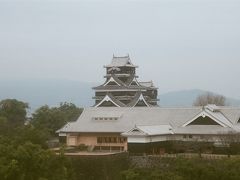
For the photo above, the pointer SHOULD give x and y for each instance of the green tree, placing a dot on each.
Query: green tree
(30, 162)
(31, 134)
(52, 119)
(23, 148)
(14, 111)
(12, 115)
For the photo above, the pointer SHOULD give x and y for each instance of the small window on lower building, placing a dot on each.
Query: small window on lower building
(106, 140)
(99, 140)
(184, 136)
(122, 140)
(190, 136)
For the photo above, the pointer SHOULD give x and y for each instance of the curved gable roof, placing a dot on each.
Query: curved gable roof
(217, 116)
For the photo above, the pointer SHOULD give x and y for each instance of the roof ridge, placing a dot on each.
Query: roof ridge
(153, 107)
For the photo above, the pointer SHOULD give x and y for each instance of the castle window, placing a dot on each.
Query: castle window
(238, 120)
(105, 118)
(187, 136)
(111, 140)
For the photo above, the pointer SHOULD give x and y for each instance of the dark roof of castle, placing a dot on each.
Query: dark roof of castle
(113, 87)
(121, 61)
(126, 85)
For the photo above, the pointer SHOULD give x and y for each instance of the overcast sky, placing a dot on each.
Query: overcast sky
(179, 44)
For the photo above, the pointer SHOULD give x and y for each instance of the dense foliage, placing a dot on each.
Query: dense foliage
(23, 148)
(29, 161)
(100, 167)
(13, 111)
(52, 119)
(187, 169)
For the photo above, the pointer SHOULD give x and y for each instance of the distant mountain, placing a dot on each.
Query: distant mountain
(187, 97)
(51, 92)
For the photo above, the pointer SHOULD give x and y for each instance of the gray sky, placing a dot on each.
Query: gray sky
(179, 44)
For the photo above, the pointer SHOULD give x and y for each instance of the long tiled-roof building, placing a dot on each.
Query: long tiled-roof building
(126, 117)
(122, 89)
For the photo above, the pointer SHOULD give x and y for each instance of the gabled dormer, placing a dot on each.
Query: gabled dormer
(135, 132)
(204, 120)
(112, 82)
(141, 102)
(107, 102)
(110, 101)
(134, 82)
(210, 115)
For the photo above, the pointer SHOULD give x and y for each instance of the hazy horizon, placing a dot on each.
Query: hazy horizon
(184, 44)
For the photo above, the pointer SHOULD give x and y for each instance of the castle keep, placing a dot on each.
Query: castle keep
(122, 89)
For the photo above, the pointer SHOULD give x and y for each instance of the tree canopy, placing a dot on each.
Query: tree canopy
(210, 98)
(52, 119)
(13, 111)
(24, 154)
